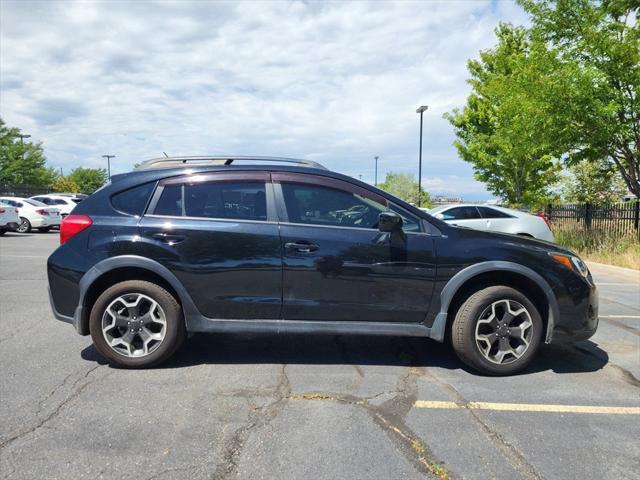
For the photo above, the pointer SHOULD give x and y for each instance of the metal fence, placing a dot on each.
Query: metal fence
(617, 219)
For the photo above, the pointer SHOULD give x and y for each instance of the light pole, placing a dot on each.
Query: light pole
(376, 178)
(22, 137)
(420, 110)
(108, 157)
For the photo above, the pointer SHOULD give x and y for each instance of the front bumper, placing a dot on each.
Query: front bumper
(578, 313)
(10, 227)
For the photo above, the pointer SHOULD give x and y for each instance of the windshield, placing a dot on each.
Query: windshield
(35, 203)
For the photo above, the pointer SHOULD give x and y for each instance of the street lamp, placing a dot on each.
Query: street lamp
(420, 110)
(376, 179)
(22, 137)
(108, 157)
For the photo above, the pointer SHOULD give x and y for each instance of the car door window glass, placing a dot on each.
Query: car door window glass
(318, 205)
(241, 200)
(487, 212)
(461, 213)
(409, 222)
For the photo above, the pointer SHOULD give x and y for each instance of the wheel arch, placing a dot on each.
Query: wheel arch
(475, 277)
(118, 269)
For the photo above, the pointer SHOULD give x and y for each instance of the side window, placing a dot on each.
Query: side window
(317, 205)
(170, 202)
(57, 201)
(134, 200)
(236, 200)
(39, 199)
(461, 213)
(487, 212)
(409, 222)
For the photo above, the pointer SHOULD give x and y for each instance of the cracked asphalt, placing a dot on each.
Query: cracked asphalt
(322, 407)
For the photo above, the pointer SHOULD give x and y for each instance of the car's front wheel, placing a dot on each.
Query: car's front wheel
(136, 324)
(25, 226)
(497, 331)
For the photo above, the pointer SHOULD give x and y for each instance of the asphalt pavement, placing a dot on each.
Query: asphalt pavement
(304, 406)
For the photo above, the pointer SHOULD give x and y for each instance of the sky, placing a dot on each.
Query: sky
(334, 82)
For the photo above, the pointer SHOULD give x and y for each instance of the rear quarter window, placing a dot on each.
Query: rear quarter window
(134, 200)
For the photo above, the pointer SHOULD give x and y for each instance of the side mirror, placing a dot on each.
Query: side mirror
(389, 222)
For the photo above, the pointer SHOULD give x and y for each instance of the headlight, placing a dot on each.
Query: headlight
(571, 262)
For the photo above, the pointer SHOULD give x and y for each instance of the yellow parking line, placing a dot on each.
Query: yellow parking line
(529, 407)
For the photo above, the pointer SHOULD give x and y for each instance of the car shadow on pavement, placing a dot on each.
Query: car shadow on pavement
(312, 349)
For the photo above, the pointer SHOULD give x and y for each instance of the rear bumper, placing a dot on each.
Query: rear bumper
(75, 320)
(9, 227)
(45, 222)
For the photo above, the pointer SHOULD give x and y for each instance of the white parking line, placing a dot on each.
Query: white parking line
(627, 284)
(529, 407)
(619, 316)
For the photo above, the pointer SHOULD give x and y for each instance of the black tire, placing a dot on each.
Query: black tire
(175, 327)
(44, 229)
(25, 226)
(463, 331)
(2, 232)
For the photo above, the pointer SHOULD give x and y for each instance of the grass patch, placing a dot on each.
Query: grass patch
(602, 247)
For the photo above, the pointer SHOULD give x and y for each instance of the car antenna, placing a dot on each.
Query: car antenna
(165, 154)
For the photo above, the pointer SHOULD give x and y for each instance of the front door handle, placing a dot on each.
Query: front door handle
(169, 238)
(302, 246)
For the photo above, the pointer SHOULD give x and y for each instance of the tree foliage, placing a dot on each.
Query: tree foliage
(593, 182)
(65, 184)
(22, 163)
(592, 97)
(405, 187)
(498, 128)
(88, 180)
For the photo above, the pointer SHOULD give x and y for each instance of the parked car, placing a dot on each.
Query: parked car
(33, 214)
(63, 203)
(494, 219)
(9, 218)
(234, 245)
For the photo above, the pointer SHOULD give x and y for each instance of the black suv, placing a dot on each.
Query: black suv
(259, 244)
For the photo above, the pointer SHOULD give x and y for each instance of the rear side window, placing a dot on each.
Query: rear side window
(134, 200)
(232, 200)
(461, 213)
(58, 201)
(487, 212)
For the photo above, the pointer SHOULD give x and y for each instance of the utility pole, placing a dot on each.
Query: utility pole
(22, 137)
(420, 110)
(376, 178)
(108, 157)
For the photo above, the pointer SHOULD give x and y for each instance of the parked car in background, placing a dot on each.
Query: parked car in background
(9, 218)
(64, 203)
(34, 214)
(494, 219)
(187, 245)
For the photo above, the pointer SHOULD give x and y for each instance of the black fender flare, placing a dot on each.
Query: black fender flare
(437, 331)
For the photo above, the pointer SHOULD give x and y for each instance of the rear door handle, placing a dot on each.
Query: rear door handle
(169, 238)
(302, 246)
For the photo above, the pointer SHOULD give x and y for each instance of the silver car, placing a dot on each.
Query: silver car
(494, 219)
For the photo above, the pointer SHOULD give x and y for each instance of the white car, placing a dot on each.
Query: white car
(9, 218)
(64, 203)
(34, 214)
(494, 219)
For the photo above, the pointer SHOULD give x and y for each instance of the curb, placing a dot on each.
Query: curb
(629, 271)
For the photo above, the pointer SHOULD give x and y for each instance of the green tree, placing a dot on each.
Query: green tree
(405, 186)
(498, 128)
(593, 182)
(65, 184)
(88, 180)
(592, 99)
(22, 163)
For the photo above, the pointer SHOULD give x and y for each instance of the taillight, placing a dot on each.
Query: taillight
(42, 212)
(73, 225)
(2, 210)
(545, 218)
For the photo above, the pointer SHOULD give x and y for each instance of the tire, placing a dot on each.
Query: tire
(44, 229)
(111, 300)
(478, 336)
(25, 226)
(2, 232)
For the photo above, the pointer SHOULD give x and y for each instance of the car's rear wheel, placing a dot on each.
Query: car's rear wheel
(136, 324)
(2, 232)
(25, 226)
(497, 331)
(44, 229)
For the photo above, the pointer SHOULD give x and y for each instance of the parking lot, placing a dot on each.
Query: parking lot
(304, 406)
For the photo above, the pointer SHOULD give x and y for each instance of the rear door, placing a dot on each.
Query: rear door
(337, 266)
(219, 235)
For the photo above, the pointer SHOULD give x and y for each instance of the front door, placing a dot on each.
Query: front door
(215, 232)
(337, 265)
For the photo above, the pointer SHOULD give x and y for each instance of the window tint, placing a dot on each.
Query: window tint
(328, 206)
(170, 202)
(487, 212)
(461, 213)
(57, 201)
(134, 200)
(409, 222)
(241, 200)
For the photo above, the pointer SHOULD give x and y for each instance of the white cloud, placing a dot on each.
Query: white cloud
(336, 82)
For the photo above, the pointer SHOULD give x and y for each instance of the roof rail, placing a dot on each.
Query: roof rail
(169, 162)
